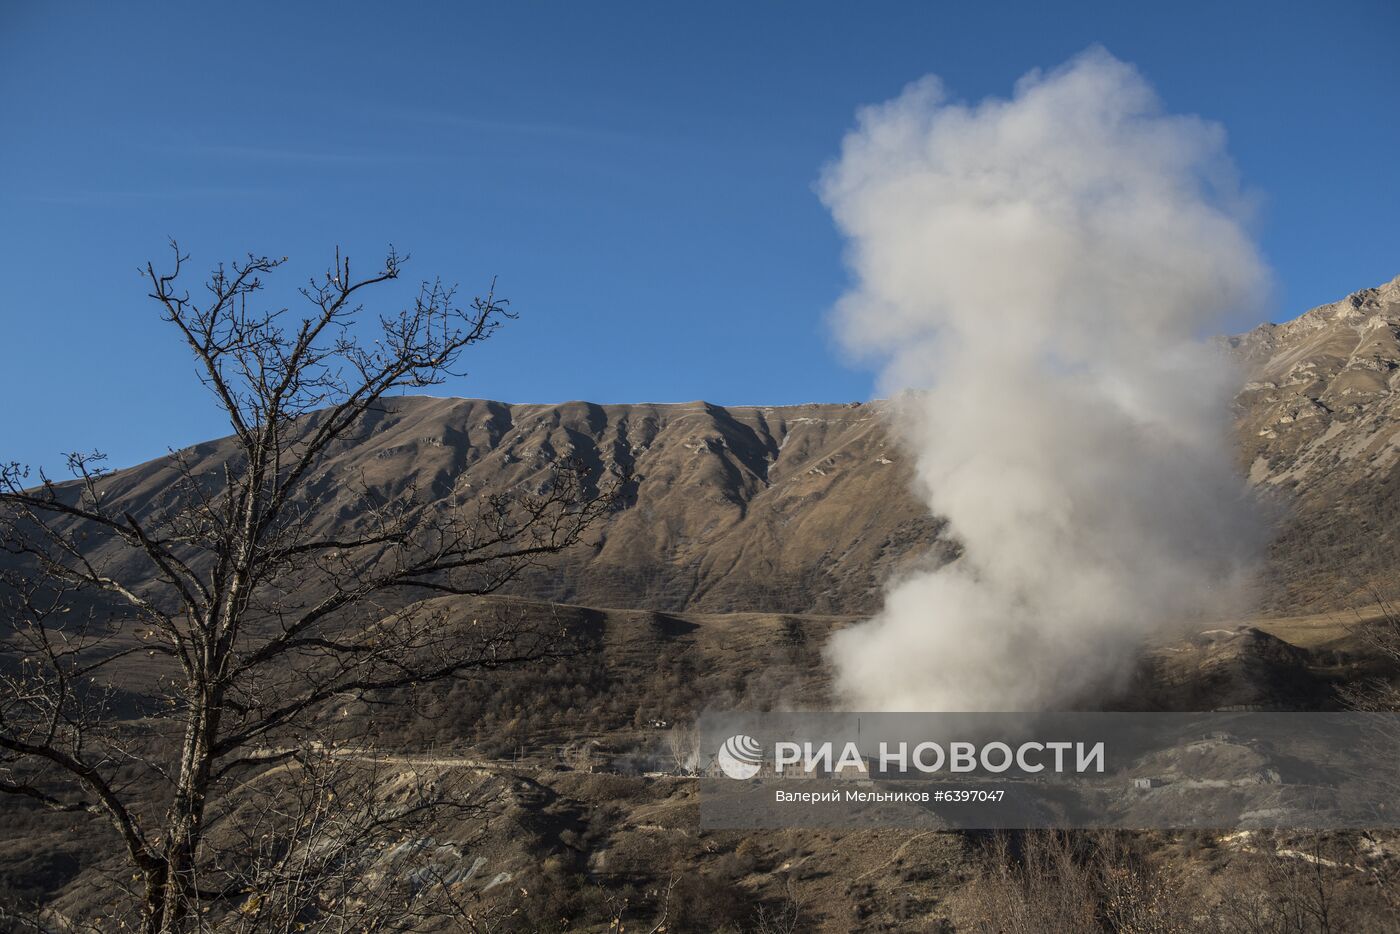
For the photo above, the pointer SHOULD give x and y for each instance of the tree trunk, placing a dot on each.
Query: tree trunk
(186, 818)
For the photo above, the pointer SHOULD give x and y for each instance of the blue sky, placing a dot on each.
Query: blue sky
(638, 176)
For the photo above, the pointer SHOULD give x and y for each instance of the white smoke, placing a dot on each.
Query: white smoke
(1041, 276)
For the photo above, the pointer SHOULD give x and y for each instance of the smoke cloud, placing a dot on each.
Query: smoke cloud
(1040, 277)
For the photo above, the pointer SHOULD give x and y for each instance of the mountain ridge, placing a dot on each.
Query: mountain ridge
(808, 508)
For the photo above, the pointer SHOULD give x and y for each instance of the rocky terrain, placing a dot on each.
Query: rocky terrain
(784, 509)
(1318, 429)
(807, 508)
(746, 536)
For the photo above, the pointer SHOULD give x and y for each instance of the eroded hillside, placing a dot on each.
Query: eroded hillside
(1319, 432)
(809, 509)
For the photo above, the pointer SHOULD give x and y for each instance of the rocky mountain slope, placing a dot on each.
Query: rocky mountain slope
(808, 509)
(750, 534)
(1319, 433)
(798, 508)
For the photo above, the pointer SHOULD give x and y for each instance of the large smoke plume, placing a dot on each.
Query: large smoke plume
(1042, 276)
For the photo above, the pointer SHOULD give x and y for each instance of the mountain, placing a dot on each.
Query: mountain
(785, 509)
(808, 509)
(1319, 434)
(749, 535)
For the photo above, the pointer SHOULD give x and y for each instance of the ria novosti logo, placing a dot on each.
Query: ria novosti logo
(740, 757)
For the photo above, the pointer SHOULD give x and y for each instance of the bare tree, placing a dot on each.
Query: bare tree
(1113, 881)
(240, 604)
(1054, 881)
(324, 845)
(683, 743)
(1382, 637)
(618, 906)
(783, 917)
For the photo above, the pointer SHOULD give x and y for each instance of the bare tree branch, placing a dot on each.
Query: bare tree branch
(247, 615)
